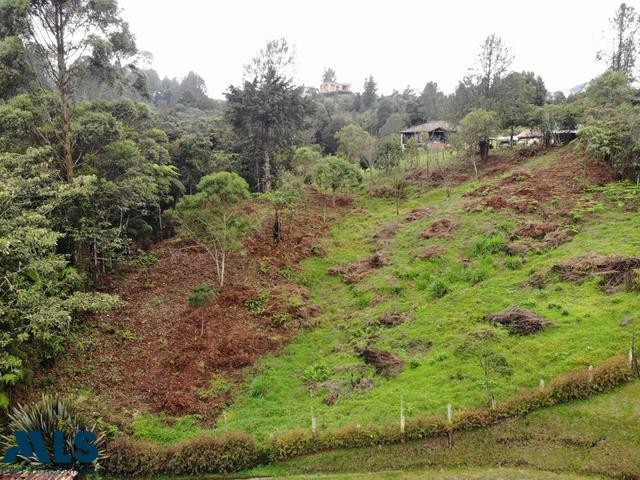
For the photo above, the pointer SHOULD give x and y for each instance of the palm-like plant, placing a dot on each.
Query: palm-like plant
(50, 414)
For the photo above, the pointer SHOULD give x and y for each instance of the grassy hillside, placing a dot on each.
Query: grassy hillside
(599, 436)
(481, 266)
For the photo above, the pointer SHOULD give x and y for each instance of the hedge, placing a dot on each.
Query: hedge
(226, 453)
(236, 451)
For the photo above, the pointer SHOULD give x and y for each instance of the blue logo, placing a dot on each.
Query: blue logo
(32, 445)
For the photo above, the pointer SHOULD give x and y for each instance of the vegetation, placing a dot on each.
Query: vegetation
(211, 216)
(48, 416)
(434, 302)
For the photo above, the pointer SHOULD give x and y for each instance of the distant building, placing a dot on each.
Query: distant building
(428, 133)
(530, 137)
(335, 87)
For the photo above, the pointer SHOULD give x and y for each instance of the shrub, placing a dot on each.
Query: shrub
(226, 453)
(488, 245)
(316, 373)
(201, 295)
(258, 306)
(144, 261)
(218, 385)
(127, 457)
(438, 288)
(231, 452)
(48, 415)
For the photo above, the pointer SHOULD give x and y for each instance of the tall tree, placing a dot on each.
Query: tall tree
(15, 72)
(329, 75)
(428, 106)
(267, 112)
(370, 92)
(69, 38)
(622, 55)
(494, 60)
(278, 56)
(514, 99)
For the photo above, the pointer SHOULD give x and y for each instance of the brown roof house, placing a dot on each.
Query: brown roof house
(428, 133)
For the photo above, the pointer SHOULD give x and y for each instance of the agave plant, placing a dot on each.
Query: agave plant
(48, 415)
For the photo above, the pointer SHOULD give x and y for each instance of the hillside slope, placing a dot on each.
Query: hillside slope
(438, 269)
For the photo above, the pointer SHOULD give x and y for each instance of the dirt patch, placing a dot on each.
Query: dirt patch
(533, 191)
(419, 346)
(333, 394)
(363, 384)
(558, 237)
(519, 322)
(385, 363)
(616, 271)
(531, 236)
(356, 271)
(439, 229)
(432, 251)
(392, 319)
(388, 232)
(418, 214)
(455, 173)
(155, 353)
(534, 230)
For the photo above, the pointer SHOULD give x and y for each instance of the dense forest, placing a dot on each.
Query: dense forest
(100, 158)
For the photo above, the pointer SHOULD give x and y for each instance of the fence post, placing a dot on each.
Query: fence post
(314, 423)
(590, 373)
(631, 357)
(450, 429)
(542, 384)
(402, 419)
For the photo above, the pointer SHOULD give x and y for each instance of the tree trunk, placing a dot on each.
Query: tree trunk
(63, 91)
(277, 227)
(267, 161)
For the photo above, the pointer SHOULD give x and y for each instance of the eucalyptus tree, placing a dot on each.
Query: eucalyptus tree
(621, 56)
(68, 41)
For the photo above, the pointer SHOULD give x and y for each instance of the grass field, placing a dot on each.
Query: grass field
(599, 437)
(446, 298)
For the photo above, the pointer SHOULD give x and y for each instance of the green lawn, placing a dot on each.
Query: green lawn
(599, 436)
(449, 474)
(588, 327)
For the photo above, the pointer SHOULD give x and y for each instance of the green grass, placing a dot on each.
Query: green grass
(449, 474)
(448, 297)
(599, 436)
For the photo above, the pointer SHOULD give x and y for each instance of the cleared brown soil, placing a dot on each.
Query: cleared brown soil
(155, 353)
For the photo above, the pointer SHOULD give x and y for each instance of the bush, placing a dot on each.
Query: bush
(226, 453)
(316, 373)
(488, 245)
(127, 457)
(201, 295)
(438, 288)
(48, 415)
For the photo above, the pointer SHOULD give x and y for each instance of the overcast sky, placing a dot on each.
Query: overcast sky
(400, 43)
